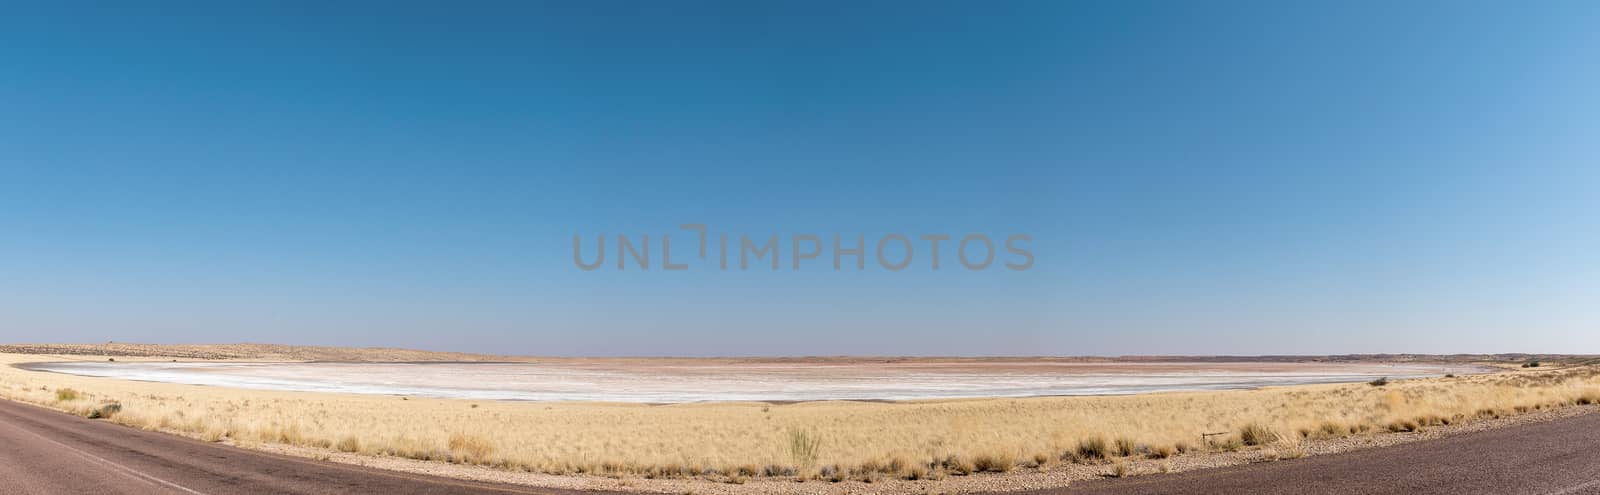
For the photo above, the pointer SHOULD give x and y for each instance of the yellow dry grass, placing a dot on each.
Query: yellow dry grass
(816, 439)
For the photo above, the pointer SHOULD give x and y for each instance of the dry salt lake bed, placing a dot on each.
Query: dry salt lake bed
(672, 381)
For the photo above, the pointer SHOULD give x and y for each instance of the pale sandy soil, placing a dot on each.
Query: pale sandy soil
(703, 446)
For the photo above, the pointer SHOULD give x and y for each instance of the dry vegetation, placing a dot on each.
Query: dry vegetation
(816, 440)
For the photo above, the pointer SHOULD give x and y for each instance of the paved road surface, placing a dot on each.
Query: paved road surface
(47, 453)
(1560, 457)
(44, 452)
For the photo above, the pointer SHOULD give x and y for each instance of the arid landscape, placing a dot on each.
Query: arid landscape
(707, 380)
(799, 248)
(970, 444)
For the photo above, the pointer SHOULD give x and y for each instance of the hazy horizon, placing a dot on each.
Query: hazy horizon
(839, 356)
(1231, 178)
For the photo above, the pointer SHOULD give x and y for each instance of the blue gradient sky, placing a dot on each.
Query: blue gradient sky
(1200, 177)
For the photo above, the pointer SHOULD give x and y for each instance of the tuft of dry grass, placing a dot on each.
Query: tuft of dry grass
(469, 449)
(1292, 452)
(1124, 447)
(1331, 429)
(958, 466)
(993, 463)
(1162, 451)
(1257, 434)
(1040, 459)
(348, 444)
(66, 395)
(917, 473)
(1120, 469)
(804, 447)
(105, 411)
(1094, 448)
(1229, 444)
(834, 473)
(1588, 397)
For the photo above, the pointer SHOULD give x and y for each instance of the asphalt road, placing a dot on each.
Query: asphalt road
(1560, 457)
(47, 453)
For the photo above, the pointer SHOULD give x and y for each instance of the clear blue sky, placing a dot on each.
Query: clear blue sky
(1198, 177)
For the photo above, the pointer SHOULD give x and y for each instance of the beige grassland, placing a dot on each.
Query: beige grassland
(810, 440)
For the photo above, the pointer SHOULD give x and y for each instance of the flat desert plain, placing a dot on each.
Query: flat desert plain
(763, 424)
(682, 380)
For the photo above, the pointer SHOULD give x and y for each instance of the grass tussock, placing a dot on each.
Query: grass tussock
(804, 447)
(1124, 447)
(1334, 429)
(1092, 449)
(348, 444)
(1163, 452)
(469, 449)
(957, 465)
(994, 463)
(104, 411)
(1040, 459)
(917, 473)
(1257, 434)
(1121, 469)
(817, 441)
